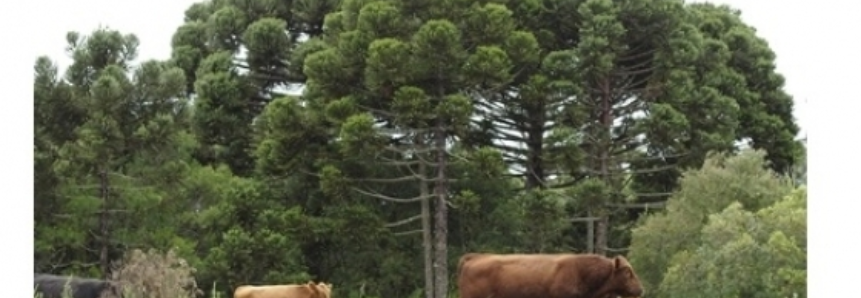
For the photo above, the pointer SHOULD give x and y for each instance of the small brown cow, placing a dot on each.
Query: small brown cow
(308, 290)
(485, 275)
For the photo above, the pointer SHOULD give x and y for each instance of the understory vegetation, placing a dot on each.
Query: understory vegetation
(370, 143)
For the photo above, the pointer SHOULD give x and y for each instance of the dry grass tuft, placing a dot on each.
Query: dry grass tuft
(154, 274)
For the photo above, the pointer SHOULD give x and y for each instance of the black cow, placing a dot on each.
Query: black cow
(52, 286)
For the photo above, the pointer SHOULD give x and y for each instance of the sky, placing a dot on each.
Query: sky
(817, 49)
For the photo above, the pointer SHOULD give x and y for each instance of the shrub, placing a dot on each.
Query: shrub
(154, 274)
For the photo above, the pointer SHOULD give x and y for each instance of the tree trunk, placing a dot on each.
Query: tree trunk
(535, 176)
(601, 235)
(607, 126)
(441, 218)
(104, 232)
(590, 234)
(427, 237)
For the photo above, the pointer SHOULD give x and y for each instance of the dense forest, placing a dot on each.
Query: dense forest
(371, 143)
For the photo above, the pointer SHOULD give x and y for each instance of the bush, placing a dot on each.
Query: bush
(154, 274)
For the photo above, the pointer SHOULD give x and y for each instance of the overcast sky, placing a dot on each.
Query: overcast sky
(781, 27)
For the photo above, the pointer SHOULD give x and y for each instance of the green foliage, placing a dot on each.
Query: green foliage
(280, 130)
(799, 170)
(104, 165)
(222, 122)
(767, 119)
(746, 254)
(714, 58)
(246, 230)
(207, 48)
(717, 206)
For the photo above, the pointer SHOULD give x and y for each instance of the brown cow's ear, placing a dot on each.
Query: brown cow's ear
(618, 262)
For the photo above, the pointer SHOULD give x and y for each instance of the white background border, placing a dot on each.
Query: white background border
(832, 172)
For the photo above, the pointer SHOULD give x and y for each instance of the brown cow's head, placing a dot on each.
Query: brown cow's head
(625, 281)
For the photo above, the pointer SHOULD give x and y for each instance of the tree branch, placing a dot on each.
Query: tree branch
(407, 233)
(655, 205)
(609, 249)
(389, 180)
(392, 199)
(403, 221)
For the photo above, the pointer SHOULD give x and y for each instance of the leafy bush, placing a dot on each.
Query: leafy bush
(734, 228)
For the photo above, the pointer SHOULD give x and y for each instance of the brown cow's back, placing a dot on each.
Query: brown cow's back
(274, 291)
(529, 275)
(503, 276)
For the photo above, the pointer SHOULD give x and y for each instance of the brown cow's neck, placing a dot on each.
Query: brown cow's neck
(606, 287)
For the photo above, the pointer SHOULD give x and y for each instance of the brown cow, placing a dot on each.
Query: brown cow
(308, 290)
(484, 275)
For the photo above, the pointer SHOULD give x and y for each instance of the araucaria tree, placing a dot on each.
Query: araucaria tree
(395, 77)
(102, 131)
(240, 55)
